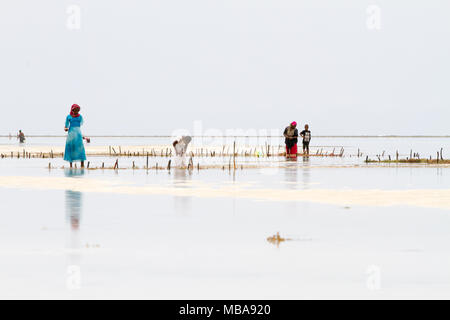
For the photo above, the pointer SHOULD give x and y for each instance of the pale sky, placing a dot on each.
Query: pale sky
(151, 67)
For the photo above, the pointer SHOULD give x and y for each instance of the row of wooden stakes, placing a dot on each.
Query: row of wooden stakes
(231, 166)
(168, 153)
(30, 155)
(412, 156)
(261, 151)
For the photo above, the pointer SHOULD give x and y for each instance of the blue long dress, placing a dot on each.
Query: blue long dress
(74, 143)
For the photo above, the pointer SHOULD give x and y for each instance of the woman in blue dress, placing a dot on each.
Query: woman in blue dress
(74, 144)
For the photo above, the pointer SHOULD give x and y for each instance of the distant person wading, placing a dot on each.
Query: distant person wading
(291, 135)
(21, 136)
(74, 144)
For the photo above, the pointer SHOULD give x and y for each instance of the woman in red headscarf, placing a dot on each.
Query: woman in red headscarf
(74, 144)
(291, 135)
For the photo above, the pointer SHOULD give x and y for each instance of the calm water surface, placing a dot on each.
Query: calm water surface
(72, 244)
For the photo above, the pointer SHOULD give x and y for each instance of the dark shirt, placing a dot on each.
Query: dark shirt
(291, 142)
(306, 134)
(21, 137)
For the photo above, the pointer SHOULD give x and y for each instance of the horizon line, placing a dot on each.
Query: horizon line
(233, 136)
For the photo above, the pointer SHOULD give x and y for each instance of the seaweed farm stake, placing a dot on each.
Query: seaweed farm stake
(234, 154)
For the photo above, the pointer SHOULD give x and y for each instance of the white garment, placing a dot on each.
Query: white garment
(180, 151)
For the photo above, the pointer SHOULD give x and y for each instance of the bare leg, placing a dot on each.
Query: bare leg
(71, 164)
(82, 164)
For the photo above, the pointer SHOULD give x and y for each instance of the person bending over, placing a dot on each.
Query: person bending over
(180, 147)
(291, 135)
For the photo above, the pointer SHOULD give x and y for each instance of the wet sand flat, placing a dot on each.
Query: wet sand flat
(438, 198)
(352, 230)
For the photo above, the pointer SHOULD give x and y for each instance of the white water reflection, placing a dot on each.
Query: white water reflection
(306, 173)
(181, 179)
(74, 209)
(291, 176)
(74, 200)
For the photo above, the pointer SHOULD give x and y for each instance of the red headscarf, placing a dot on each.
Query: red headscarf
(74, 111)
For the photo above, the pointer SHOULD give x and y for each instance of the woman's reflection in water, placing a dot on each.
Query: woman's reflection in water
(181, 179)
(74, 200)
(74, 208)
(291, 183)
(291, 175)
(291, 180)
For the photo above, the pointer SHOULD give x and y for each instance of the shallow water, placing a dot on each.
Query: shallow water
(425, 146)
(64, 238)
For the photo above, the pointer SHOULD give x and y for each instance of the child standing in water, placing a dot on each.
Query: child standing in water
(306, 134)
(74, 144)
